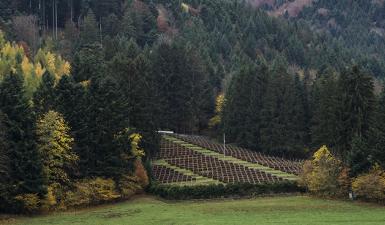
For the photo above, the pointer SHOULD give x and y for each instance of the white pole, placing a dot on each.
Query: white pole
(224, 145)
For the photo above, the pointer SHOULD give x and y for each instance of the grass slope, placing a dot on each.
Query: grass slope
(296, 210)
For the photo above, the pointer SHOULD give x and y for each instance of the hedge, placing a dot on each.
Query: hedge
(174, 192)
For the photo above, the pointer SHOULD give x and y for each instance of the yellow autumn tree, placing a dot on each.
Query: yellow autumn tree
(219, 104)
(13, 59)
(325, 175)
(55, 147)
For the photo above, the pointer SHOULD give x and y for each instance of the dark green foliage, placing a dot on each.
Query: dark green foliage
(105, 116)
(26, 167)
(245, 92)
(356, 109)
(5, 167)
(325, 110)
(265, 112)
(283, 118)
(69, 101)
(376, 137)
(88, 63)
(359, 158)
(184, 94)
(220, 190)
(44, 97)
(6, 9)
(89, 30)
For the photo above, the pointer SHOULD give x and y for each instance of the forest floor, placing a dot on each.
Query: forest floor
(296, 210)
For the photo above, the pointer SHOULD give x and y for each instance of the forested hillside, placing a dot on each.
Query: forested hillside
(86, 85)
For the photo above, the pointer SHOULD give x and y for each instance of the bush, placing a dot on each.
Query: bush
(220, 190)
(92, 191)
(141, 173)
(370, 186)
(128, 186)
(325, 175)
(28, 203)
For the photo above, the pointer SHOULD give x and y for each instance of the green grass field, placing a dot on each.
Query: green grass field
(296, 210)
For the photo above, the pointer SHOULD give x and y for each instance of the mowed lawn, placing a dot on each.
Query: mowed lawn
(265, 210)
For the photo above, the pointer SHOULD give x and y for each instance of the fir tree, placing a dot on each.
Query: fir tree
(44, 97)
(26, 167)
(5, 167)
(357, 106)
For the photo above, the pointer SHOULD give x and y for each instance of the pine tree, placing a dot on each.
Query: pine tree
(376, 137)
(245, 92)
(357, 106)
(89, 32)
(105, 117)
(283, 127)
(185, 97)
(5, 166)
(325, 123)
(44, 97)
(26, 168)
(6, 9)
(88, 63)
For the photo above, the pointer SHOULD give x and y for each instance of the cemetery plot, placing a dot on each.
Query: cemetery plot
(288, 166)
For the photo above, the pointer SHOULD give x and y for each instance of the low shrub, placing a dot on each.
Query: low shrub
(92, 191)
(28, 203)
(220, 190)
(141, 173)
(370, 186)
(128, 186)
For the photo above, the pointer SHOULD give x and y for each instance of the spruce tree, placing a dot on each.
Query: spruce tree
(44, 97)
(376, 137)
(89, 32)
(241, 119)
(105, 117)
(283, 127)
(325, 103)
(185, 97)
(5, 167)
(6, 9)
(357, 107)
(26, 167)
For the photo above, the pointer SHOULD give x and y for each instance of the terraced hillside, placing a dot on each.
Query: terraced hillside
(196, 160)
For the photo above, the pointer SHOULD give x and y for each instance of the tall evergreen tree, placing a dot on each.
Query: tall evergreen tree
(325, 122)
(357, 106)
(283, 119)
(26, 165)
(89, 32)
(376, 137)
(44, 97)
(245, 92)
(88, 63)
(69, 102)
(105, 117)
(184, 95)
(5, 167)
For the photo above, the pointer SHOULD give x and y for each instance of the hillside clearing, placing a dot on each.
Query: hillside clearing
(267, 210)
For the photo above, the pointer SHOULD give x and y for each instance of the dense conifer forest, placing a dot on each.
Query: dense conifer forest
(85, 86)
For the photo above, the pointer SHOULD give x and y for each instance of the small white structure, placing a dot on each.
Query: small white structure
(165, 132)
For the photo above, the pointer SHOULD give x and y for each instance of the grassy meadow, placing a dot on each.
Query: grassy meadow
(296, 210)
